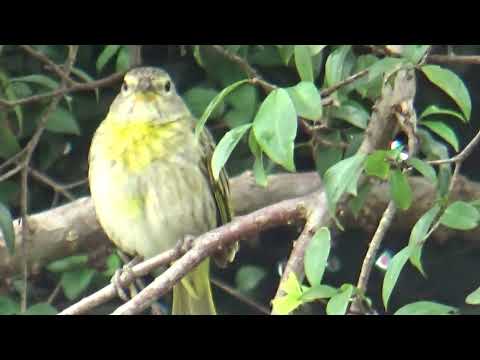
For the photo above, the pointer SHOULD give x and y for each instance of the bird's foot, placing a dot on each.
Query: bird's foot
(186, 243)
(126, 269)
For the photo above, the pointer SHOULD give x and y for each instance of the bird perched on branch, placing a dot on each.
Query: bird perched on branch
(151, 181)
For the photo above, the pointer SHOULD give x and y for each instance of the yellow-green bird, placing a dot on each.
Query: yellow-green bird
(151, 181)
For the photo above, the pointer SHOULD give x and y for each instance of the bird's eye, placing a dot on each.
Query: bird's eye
(168, 86)
(124, 86)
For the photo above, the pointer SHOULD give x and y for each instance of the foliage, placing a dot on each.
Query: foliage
(283, 125)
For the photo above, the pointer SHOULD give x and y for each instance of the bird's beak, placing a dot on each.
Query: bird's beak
(145, 85)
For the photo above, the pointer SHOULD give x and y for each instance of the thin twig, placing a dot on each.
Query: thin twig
(459, 158)
(52, 183)
(454, 59)
(12, 172)
(369, 259)
(13, 159)
(126, 278)
(328, 91)
(239, 296)
(316, 218)
(93, 85)
(75, 184)
(285, 212)
(29, 149)
(241, 62)
(49, 63)
(54, 293)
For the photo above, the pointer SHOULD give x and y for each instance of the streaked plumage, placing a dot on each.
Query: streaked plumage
(151, 182)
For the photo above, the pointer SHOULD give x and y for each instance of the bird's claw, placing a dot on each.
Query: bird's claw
(186, 243)
(127, 269)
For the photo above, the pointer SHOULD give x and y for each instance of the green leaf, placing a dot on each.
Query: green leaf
(419, 235)
(198, 99)
(225, 147)
(476, 204)
(244, 98)
(11, 96)
(316, 49)
(106, 55)
(316, 256)
(460, 216)
(214, 103)
(41, 309)
(286, 304)
(303, 61)
(327, 156)
(87, 78)
(6, 228)
(69, 263)
(342, 177)
(387, 65)
(62, 121)
(9, 190)
(248, 277)
(367, 88)
(435, 110)
(414, 53)
(473, 298)
(9, 145)
(258, 168)
(378, 165)
(306, 99)
(336, 67)
(74, 283)
(8, 306)
(292, 286)
(400, 190)
(113, 263)
(426, 308)
(338, 304)
(352, 113)
(39, 80)
(423, 168)
(267, 56)
(452, 85)
(319, 292)
(393, 272)
(123, 59)
(443, 131)
(286, 52)
(275, 128)
(357, 202)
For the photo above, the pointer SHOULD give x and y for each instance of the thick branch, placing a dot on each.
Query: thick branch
(282, 213)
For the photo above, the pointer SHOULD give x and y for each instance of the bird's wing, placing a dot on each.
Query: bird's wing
(221, 192)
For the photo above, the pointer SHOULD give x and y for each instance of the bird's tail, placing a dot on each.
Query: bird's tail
(193, 295)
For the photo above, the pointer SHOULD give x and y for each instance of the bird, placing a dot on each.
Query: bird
(151, 181)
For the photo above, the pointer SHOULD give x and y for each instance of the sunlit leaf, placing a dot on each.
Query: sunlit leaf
(444, 131)
(225, 147)
(341, 177)
(214, 103)
(303, 61)
(400, 190)
(452, 85)
(393, 272)
(460, 216)
(426, 308)
(275, 128)
(338, 304)
(106, 55)
(316, 256)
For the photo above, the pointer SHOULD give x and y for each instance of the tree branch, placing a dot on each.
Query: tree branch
(282, 213)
